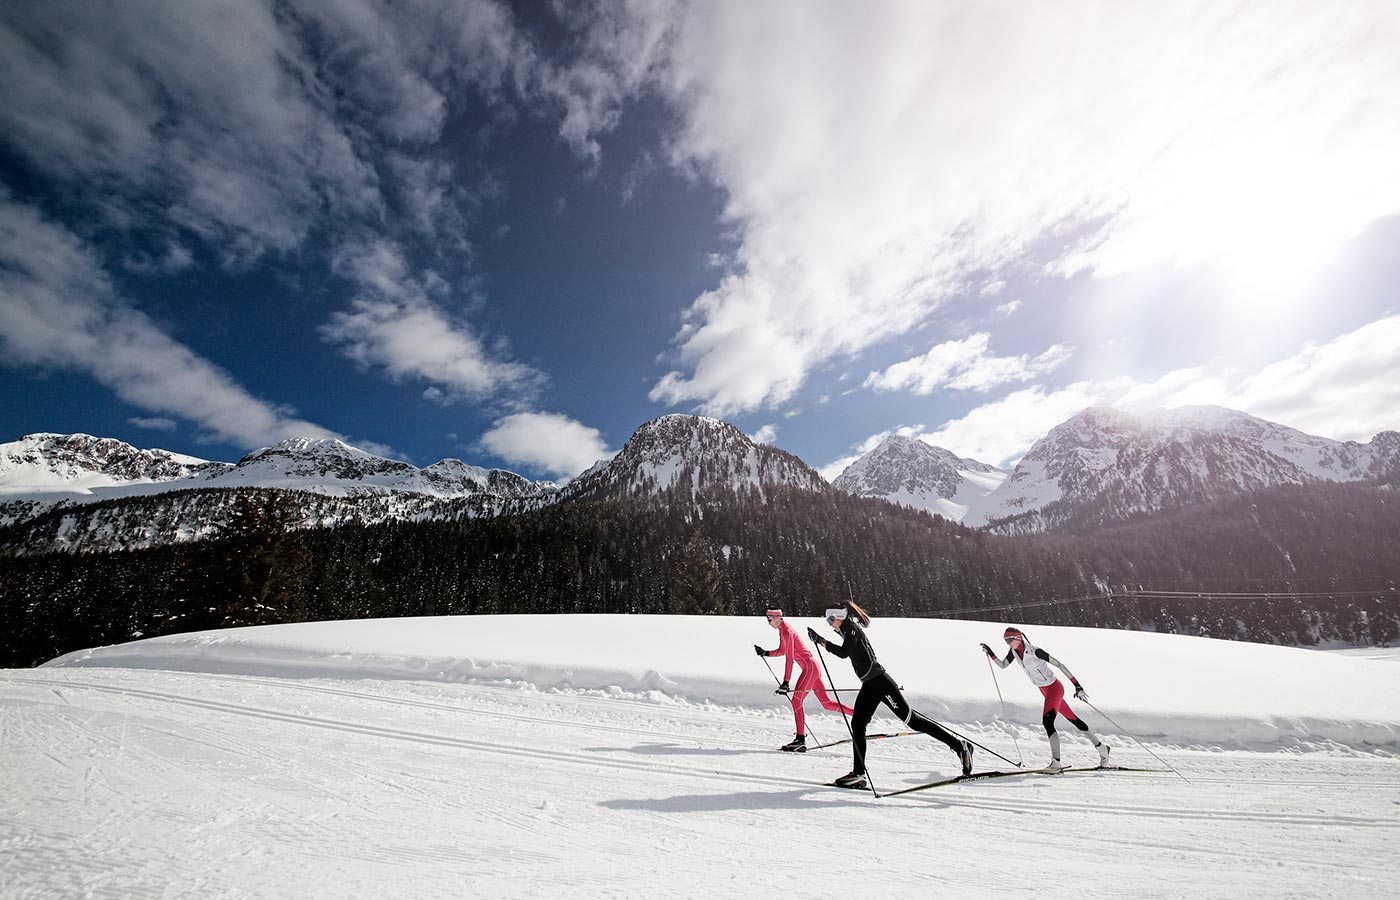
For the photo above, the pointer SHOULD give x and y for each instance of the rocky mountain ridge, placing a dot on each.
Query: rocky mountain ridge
(915, 473)
(1104, 465)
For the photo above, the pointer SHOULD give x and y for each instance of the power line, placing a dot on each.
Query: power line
(1268, 596)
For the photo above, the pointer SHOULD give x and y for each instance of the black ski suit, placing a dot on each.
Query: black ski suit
(876, 687)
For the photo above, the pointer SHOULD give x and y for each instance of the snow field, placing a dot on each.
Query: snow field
(552, 757)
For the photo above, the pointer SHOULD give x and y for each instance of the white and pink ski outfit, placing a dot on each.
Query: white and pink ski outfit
(809, 681)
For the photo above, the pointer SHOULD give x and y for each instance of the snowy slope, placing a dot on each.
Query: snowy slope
(40, 466)
(912, 473)
(632, 757)
(1277, 696)
(332, 482)
(702, 453)
(1105, 464)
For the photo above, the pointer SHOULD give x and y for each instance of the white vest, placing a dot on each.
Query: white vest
(1037, 669)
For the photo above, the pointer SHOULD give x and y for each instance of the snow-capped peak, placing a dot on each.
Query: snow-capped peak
(915, 473)
(1107, 464)
(705, 452)
(48, 463)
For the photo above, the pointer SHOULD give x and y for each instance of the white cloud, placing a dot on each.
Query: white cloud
(1007, 309)
(871, 175)
(964, 365)
(1002, 431)
(396, 326)
(59, 310)
(154, 423)
(236, 123)
(1347, 389)
(765, 435)
(548, 441)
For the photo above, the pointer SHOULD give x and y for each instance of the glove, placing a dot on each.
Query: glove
(759, 650)
(816, 638)
(987, 650)
(1079, 692)
(782, 688)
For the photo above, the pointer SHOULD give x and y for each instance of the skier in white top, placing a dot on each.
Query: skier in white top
(1036, 662)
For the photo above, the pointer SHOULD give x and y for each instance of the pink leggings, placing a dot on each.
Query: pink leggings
(810, 682)
(1055, 702)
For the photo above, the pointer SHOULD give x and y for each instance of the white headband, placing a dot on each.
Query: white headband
(835, 614)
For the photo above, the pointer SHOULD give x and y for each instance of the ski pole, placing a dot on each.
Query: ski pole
(1003, 707)
(868, 780)
(780, 684)
(957, 734)
(1136, 741)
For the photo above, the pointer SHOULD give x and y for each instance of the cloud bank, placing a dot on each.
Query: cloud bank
(878, 160)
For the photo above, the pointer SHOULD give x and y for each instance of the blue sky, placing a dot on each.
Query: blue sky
(512, 233)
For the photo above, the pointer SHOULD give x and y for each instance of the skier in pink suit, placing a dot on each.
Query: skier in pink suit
(809, 681)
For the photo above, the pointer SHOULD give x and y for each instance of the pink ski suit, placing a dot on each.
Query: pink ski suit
(810, 679)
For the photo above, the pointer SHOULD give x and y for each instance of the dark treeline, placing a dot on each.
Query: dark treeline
(727, 554)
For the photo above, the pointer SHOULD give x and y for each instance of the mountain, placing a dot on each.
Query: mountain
(913, 473)
(692, 452)
(332, 467)
(1105, 465)
(47, 464)
(77, 492)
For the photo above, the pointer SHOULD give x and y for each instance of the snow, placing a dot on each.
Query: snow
(589, 756)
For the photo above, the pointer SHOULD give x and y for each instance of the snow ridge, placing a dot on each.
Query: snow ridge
(75, 492)
(917, 474)
(1105, 464)
(701, 453)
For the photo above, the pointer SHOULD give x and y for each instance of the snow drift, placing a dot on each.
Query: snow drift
(1168, 688)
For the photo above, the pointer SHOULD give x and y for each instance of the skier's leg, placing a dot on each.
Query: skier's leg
(826, 700)
(1054, 697)
(1079, 723)
(866, 702)
(916, 720)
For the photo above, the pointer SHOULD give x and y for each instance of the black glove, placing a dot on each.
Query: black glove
(816, 638)
(759, 650)
(1079, 692)
(987, 650)
(782, 688)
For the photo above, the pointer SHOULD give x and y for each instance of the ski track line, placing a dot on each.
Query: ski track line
(1263, 857)
(421, 737)
(443, 741)
(464, 710)
(1011, 804)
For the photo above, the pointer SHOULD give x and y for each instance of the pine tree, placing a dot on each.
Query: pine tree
(696, 589)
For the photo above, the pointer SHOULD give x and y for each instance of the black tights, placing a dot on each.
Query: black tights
(1048, 720)
(881, 689)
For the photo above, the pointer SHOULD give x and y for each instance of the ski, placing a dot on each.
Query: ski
(983, 776)
(868, 737)
(959, 779)
(861, 785)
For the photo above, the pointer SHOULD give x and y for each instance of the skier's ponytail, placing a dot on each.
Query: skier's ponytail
(861, 615)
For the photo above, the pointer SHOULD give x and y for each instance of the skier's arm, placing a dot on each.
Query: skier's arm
(785, 642)
(828, 646)
(1078, 688)
(1001, 663)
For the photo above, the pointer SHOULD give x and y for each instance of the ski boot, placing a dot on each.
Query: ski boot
(1055, 767)
(965, 757)
(796, 745)
(853, 780)
(1103, 753)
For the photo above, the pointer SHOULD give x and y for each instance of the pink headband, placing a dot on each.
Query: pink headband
(773, 613)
